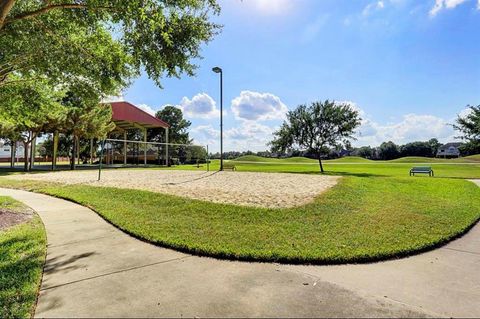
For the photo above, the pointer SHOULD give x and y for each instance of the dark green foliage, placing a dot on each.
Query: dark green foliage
(59, 41)
(469, 126)
(388, 151)
(365, 152)
(316, 128)
(178, 131)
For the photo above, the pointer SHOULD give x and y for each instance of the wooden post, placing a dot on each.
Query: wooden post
(91, 151)
(13, 152)
(78, 150)
(55, 150)
(145, 146)
(32, 152)
(167, 162)
(125, 147)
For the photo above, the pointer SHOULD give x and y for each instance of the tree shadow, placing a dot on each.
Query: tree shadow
(21, 261)
(62, 264)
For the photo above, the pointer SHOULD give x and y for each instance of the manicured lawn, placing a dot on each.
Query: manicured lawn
(467, 167)
(22, 255)
(361, 219)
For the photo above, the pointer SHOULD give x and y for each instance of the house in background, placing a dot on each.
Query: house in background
(6, 151)
(449, 150)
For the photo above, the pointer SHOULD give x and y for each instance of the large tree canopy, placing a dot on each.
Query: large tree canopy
(27, 110)
(316, 127)
(178, 131)
(97, 40)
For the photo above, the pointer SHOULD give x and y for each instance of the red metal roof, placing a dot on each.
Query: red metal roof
(127, 112)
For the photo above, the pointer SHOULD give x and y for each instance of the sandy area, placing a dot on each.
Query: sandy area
(273, 190)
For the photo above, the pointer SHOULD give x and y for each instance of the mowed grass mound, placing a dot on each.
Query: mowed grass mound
(259, 159)
(349, 159)
(22, 255)
(361, 219)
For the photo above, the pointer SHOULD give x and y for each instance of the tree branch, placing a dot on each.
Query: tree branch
(5, 7)
(32, 14)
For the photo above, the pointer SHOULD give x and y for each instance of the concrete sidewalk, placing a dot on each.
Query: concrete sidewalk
(95, 270)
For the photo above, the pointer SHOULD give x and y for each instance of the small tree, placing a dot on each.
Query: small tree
(315, 128)
(364, 151)
(388, 150)
(178, 131)
(469, 126)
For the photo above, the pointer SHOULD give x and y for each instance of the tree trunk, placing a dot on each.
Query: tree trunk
(25, 156)
(5, 7)
(74, 152)
(320, 163)
(13, 153)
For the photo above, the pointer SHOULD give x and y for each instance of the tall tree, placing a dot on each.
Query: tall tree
(469, 126)
(86, 118)
(178, 131)
(316, 128)
(29, 108)
(160, 36)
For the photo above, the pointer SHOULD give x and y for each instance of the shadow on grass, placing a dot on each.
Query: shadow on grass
(21, 261)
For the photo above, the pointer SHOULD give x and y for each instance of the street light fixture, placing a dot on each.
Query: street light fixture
(220, 71)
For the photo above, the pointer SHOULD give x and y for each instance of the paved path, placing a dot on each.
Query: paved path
(95, 270)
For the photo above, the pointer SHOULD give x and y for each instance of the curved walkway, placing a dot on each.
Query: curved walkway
(95, 270)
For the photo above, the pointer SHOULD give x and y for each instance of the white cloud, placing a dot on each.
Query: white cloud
(147, 109)
(113, 98)
(411, 127)
(445, 4)
(255, 106)
(270, 7)
(200, 106)
(206, 135)
(247, 136)
(373, 6)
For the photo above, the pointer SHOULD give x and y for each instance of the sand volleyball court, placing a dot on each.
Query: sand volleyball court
(273, 190)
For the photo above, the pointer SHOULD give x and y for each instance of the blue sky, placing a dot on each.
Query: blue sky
(409, 66)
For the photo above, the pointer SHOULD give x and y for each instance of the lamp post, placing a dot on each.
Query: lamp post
(219, 70)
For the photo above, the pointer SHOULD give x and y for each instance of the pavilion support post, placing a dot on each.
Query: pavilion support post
(13, 152)
(32, 152)
(55, 150)
(125, 147)
(167, 162)
(145, 146)
(78, 150)
(91, 151)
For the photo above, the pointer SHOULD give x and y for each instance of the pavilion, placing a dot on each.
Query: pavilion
(127, 116)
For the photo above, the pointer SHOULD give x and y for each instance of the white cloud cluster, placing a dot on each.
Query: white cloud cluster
(247, 136)
(412, 127)
(200, 106)
(146, 108)
(373, 6)
(255, 106)
(447, 4)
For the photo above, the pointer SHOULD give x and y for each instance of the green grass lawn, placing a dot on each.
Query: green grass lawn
(361, 219)
(346, 167)
(375, 212)
(22, 255)
(356, 159)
